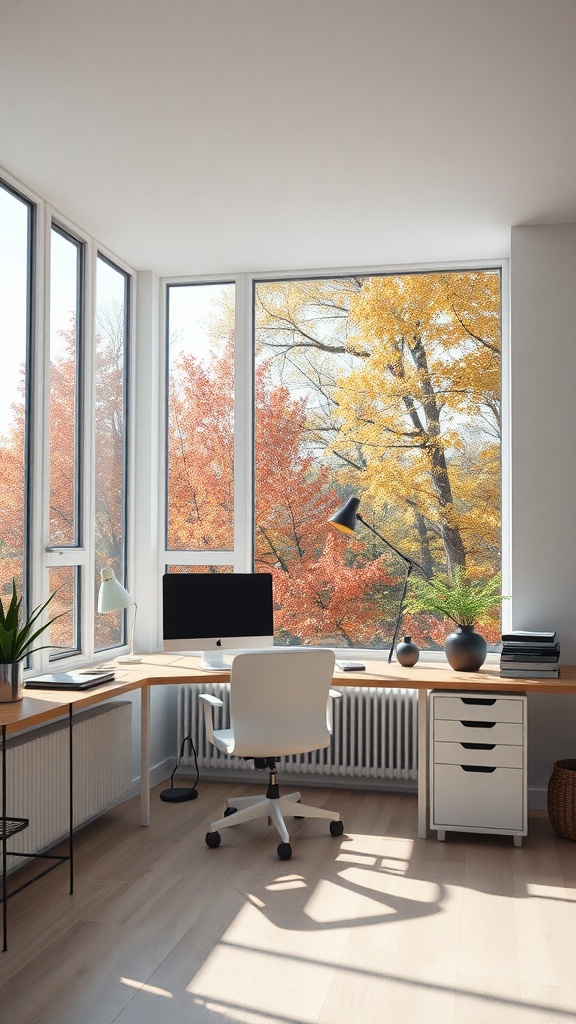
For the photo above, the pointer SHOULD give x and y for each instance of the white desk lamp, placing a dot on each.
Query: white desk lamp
(112, 597)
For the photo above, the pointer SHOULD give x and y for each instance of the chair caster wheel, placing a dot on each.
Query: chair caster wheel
(336, 828)
(229, 811)
(213, 839)
(284, 851)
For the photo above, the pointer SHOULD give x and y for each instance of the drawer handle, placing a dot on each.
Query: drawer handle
(476, 768)
(478, 725)
(478, 700)
(478, 746)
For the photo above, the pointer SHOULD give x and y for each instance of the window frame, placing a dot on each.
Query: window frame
(39, 554)
(242, 557)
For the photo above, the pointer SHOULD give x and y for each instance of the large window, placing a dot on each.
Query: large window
(64, 432)
(64, 335)
(384, 386)
(16, 218)
(112, 336)
(200, 418)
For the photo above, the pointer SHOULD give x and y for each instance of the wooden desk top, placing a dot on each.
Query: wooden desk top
(167, 669)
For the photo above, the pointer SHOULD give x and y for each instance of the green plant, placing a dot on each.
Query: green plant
(16, 637)
(464, 600)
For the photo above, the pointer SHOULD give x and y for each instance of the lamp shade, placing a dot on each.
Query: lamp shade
(112, 595)
(345, 518)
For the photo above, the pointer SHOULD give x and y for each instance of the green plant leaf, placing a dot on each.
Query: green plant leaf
(16, 641)
(464, 601)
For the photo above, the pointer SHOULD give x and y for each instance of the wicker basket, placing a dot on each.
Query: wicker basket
(562, 798)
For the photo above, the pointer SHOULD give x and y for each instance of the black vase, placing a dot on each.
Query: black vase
(465, 649)
(407, 653)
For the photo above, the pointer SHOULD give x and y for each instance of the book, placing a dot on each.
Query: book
(527, 636)
(514, 648)
(535, 673)
(528, 667)
(543, 658)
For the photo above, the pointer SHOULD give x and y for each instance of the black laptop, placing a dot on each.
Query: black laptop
(83, 679)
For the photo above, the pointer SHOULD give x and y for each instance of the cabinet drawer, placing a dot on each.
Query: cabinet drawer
(492, 799)
(478, 732)
(496, 755)
(478, 709)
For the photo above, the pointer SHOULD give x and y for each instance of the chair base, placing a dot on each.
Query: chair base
(248, 808)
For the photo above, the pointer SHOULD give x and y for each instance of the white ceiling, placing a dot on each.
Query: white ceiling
(211, 136)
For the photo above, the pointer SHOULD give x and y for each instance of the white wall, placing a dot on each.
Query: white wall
(543, 469)
(146, 569)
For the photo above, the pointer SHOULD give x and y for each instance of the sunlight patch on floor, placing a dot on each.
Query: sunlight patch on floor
(287, 882)
(551, 892)
(142, 987)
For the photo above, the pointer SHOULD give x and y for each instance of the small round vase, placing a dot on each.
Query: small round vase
(407, 653)
(465, 649)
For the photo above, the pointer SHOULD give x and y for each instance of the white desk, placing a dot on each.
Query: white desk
(165, 670)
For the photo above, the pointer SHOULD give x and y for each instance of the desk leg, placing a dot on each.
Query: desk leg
(145, 755)
(422, 763)
(4, 841)
(71, 798)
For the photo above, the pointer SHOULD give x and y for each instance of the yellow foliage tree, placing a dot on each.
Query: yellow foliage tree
(406, 370)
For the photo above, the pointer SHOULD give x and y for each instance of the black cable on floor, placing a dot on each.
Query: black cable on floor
(180, 793)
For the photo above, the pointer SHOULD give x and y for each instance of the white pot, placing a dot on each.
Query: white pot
(11, 681)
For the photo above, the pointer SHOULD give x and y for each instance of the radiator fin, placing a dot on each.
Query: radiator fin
(375, 735)
(37, 773)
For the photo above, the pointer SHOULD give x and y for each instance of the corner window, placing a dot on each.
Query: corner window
(16, 252)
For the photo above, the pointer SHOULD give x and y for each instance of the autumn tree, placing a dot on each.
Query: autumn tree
(110, 439)
(405, 370)
(12, 496)
(109, 452)
(318, 597)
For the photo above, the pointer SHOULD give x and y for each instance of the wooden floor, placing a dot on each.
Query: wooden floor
(372, 926)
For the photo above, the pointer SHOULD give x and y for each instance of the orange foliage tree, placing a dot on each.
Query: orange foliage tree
(12, 509)
(318, 598)
(109, 477)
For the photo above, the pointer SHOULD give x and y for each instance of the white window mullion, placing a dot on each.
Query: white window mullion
(38, 418)
(243, 426)
(87, 455)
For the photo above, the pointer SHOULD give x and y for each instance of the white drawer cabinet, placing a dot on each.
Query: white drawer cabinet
(478, 777)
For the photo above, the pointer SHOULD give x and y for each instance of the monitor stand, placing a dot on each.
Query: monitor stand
(215, 661)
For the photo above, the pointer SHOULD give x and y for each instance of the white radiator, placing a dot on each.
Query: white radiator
(375, 735)
(37, 773)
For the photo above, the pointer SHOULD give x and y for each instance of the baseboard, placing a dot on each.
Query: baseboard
(537, 799)
(158, 773)
(296, 781)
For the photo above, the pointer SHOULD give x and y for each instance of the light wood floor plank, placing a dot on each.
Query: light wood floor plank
(375, 925)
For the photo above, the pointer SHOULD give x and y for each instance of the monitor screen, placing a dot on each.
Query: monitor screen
(214, 612)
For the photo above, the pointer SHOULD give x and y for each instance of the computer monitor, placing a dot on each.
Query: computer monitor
(211, 613)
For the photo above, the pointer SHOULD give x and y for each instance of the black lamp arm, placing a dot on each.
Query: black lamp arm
(410, 565)
(409, 561)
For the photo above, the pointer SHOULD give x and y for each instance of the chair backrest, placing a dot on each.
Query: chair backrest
(279, 701)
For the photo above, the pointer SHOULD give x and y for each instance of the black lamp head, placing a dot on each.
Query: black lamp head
(345, 518)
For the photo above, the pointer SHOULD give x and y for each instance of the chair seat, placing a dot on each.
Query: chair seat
(224, 740)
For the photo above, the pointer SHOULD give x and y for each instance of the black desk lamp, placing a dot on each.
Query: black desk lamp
(345, 520)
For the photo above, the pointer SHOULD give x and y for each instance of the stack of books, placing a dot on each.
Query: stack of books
(526, 653)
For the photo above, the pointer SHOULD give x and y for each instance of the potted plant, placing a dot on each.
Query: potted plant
(467, 603)
(17, 639)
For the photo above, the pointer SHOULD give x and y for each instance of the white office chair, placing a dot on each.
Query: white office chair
(280, 703)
